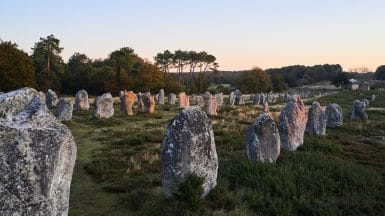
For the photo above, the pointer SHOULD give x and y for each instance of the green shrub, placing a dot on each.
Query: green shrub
(191, 191)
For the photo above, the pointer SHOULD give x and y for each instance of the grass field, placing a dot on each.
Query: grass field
(118, 167)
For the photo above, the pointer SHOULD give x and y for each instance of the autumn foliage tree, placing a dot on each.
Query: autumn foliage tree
(254, 80)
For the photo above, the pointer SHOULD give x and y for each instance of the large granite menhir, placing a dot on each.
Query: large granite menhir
(262, 140)
(104, 106)
(334, 116)
(292, 124)
(37, 157)
(316, 122)
(188, 148)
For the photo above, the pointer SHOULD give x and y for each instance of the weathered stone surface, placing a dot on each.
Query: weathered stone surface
(366, 103)
(51, 98)
(236, 98)
(262, 98)
(37, 157)
(292, 124)
(266, 107)
(206, 97)
(161, 97)
(129, 100)
(358, 112)
(104, 106)
(316, 122)
(64, 109)
(81, 101)
(147, 103)
(212, 106)
(334, 115)
(122, 97)
(256, 99)
(199, 100)
(183, 100)
(171, 98)
(42, 97)
(262, 140)
(219, 98)
(189, 148)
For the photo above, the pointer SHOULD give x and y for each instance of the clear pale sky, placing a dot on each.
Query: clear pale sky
(240, 33)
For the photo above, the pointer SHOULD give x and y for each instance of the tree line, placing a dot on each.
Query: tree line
(190, 71)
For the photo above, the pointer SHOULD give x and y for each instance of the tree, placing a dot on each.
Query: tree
(278, 82)
(77, 74)
(342, 78)
(380, 73)
(49, 65)
(255, 80)
(164, 60)
(16, 68)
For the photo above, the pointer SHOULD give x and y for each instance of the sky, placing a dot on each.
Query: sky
(241, 33)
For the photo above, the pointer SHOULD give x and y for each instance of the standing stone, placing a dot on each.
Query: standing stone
(316, 122)
(199, 100)
(263, 98)
(129, 101)
(262, 140)
(171, 98)
(81, 101)
(51, 98)
(373, 98)
(122, 97)
(189, 148)
(206, 97)
(266, 107)
(256, 99)
(358, 112)
(334, 115)
(183, 100)
(292, 124)
(161, 97)
(104, 106)
(147, 103)
(64, 109)
(238, 98)
(212, 106)
(219, 99)
(270, 97)
(37, 157)
(232, 98)
(365, 102)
